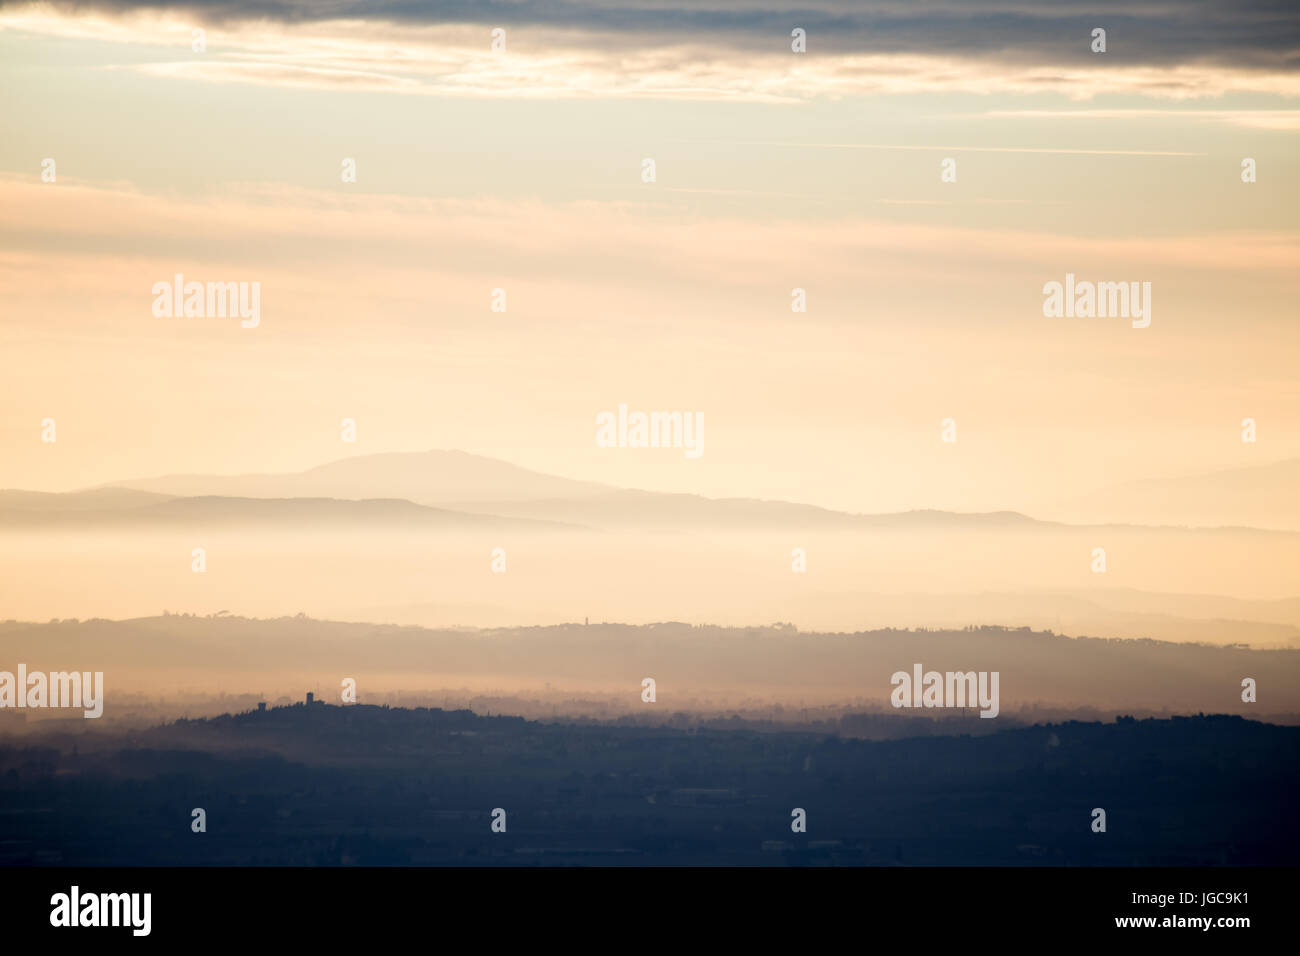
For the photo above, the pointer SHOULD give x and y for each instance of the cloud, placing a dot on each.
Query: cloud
(1238, 32)
(1282, 120)
(1061, 151)
(611, 243)
(723, 49)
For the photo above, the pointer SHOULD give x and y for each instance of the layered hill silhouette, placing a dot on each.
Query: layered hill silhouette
(436, 478)
(129, 509)
(414, 532)
(458, 482)
(1262, 496)
(777, 663)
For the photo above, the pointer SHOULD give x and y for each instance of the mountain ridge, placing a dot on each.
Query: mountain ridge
(460, 483)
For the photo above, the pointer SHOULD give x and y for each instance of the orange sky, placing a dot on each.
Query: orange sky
(522, 171)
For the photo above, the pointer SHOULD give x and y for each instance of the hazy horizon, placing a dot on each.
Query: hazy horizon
(857, 316)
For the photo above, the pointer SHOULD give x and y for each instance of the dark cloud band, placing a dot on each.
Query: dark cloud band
(1263, 34)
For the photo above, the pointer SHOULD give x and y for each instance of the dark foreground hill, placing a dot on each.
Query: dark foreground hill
(327, 785)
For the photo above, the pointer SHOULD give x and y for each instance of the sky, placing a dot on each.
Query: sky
(522, 169)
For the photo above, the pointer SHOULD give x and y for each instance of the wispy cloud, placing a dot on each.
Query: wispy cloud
(1285, 120)
(606, 242)
(975, 149)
